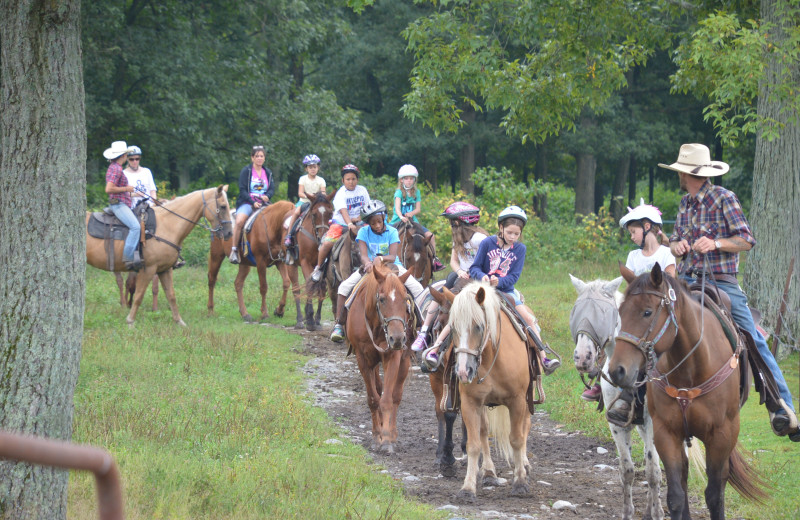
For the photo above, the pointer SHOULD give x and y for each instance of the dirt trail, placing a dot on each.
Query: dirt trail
(566, 465)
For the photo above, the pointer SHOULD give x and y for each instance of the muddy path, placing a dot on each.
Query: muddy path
(567, 466)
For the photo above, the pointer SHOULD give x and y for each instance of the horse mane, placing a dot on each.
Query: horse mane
(319, 198)
(466, 311)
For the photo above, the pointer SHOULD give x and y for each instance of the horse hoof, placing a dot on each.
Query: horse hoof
(278, 313)
(181, 323)
(447, 470)
(299, 325)
(247, 318)
(318, 323)
(520, 489)
(465, 497)
(387, 448)
(490, 481)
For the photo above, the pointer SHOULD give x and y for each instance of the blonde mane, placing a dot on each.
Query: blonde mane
(466, 311)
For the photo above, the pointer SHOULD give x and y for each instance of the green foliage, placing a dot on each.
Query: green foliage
(500, 189)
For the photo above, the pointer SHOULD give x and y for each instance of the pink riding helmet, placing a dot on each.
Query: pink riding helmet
(463, 211)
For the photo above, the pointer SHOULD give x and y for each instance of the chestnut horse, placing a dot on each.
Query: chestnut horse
(266, 246)
(175, 220)
(309, 237)
(692, 387)
(379, 327)
(127, 288)
(594, 324)
(487, 347)
(414, 251)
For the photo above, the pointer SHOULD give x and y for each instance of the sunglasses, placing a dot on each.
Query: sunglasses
(258, 148)
(133, 158)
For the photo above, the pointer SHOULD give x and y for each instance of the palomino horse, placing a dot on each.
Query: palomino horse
(309, 237)
(175, 219)
(692, 386)
(414, 251)
(486, 346)
(378, 330)
(127, 288)
(594, 323)
(266, 245)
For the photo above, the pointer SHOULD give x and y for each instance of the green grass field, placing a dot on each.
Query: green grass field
(212, 421)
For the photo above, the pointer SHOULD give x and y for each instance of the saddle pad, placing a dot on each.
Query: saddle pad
(102, 225)
(248, 225)
(352, 297)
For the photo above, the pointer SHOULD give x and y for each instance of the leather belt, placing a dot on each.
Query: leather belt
(719, 277)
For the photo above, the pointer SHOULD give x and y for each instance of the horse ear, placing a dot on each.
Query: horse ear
(579, 284)
(331, 196)
(379, 271)
(480, 296)
(428, 240)
(448, 294)
(611, 287)
(626, 273)
(403, 277)
(656, 276)
(438, 296)
(221, 188)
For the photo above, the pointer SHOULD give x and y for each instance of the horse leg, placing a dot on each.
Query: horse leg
(155, 293)
(215, 257)
(652, 465)
(238, 284)
(676, 466)
(169, 290)
(518, 437)
(121, 286)
(262, 288)
(373, 397)
(471, 415)
(718, 469)
(318, 315)
(291, 271)
(622, 439)
(394, 380)
(279, 310)
(142, 281)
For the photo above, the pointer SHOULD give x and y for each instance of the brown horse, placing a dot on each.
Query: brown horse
(378, 331)
(414, 251)
(349, 260)
(175, 220)
(692, 387)
(309, 236)
(486, 346)
(266, 246)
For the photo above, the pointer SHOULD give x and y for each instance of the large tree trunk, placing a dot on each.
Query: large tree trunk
(42, 251)
(468, 154)
(584, 183)
(617, 205)
(775, 213)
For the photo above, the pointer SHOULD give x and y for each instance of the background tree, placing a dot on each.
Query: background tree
(42, 201)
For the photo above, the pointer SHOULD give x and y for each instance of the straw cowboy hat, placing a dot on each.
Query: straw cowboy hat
(117, 148)
(695, 159)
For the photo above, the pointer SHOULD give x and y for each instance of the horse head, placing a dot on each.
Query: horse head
(593, 321)
(414, 250)
(320, 213)
(391, 304)
(474, 317)
(218, 212)
(647, 319)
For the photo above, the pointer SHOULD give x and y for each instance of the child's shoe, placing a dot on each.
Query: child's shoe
(437, 265)
(317, 274)
(431, 358)
(288, 241)
(337, 336)
(592, 394)
(550, 365)
(420, 343)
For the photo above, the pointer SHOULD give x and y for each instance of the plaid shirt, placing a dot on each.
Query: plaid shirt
(714, 213)
(115, 175)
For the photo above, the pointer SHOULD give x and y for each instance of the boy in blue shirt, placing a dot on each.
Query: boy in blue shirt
(374, 240)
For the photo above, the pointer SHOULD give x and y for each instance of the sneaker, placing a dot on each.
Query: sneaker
(431, 358)
(593, 393)
(337, 336)
(420, 343)
(317, 274)
(234, 258)
(619, 413)
(179, 263)
(437, 265)
(550, 365)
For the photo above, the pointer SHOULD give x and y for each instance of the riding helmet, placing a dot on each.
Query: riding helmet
(134, 150)
(641, 212)
(407, 170)
(310, 159)
(351, 168)
(463, 211)
(373, 207)
(512, 212)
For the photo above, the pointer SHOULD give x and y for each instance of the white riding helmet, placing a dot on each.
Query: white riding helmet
(373, 207)
(512, 211)
(134, 150)
(642, 211)
(407, 170)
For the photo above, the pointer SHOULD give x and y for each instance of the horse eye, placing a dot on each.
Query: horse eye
(648, 313)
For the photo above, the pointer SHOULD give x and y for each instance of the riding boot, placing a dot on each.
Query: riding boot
(621, 411)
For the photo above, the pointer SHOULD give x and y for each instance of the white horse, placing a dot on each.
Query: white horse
(594, 323)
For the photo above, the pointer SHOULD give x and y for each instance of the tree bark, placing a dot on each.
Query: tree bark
(617, 206)
(775, 212)
(584, 183)
(467, 162)
(42, 251)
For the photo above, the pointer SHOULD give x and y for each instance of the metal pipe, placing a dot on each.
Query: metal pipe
(61, 454)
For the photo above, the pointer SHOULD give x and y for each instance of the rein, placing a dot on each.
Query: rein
(216, 231)
(479, 353)
(385, 325)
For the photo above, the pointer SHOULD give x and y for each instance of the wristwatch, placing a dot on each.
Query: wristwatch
(717, 245)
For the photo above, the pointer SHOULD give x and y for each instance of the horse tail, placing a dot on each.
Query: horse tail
(499, 421)
(745, 479)
(696, 458)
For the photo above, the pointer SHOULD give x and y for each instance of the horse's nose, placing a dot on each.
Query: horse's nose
(618, 375)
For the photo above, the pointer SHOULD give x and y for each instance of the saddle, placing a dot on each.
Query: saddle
(107, 227)
(355, 258)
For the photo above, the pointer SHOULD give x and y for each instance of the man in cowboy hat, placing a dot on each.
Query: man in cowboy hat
(119, 194)
(711, 222)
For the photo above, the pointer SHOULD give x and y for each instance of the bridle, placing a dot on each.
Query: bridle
(385, 325)
(406, 241)
(200, 222)
(644, 345)
(319, 228)
(479, 353)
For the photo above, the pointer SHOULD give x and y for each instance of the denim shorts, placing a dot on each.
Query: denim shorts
(245, 209)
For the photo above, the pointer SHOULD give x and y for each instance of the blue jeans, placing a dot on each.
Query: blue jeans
(125, 214)
(743, 318)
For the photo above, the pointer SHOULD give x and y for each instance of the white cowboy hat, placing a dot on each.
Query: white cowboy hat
(117, 148)
(695, 159)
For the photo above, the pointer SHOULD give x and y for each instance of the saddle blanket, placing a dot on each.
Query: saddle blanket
(102, 225)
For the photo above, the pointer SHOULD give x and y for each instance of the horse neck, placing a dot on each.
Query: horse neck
(172, 226)
(703, 361)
